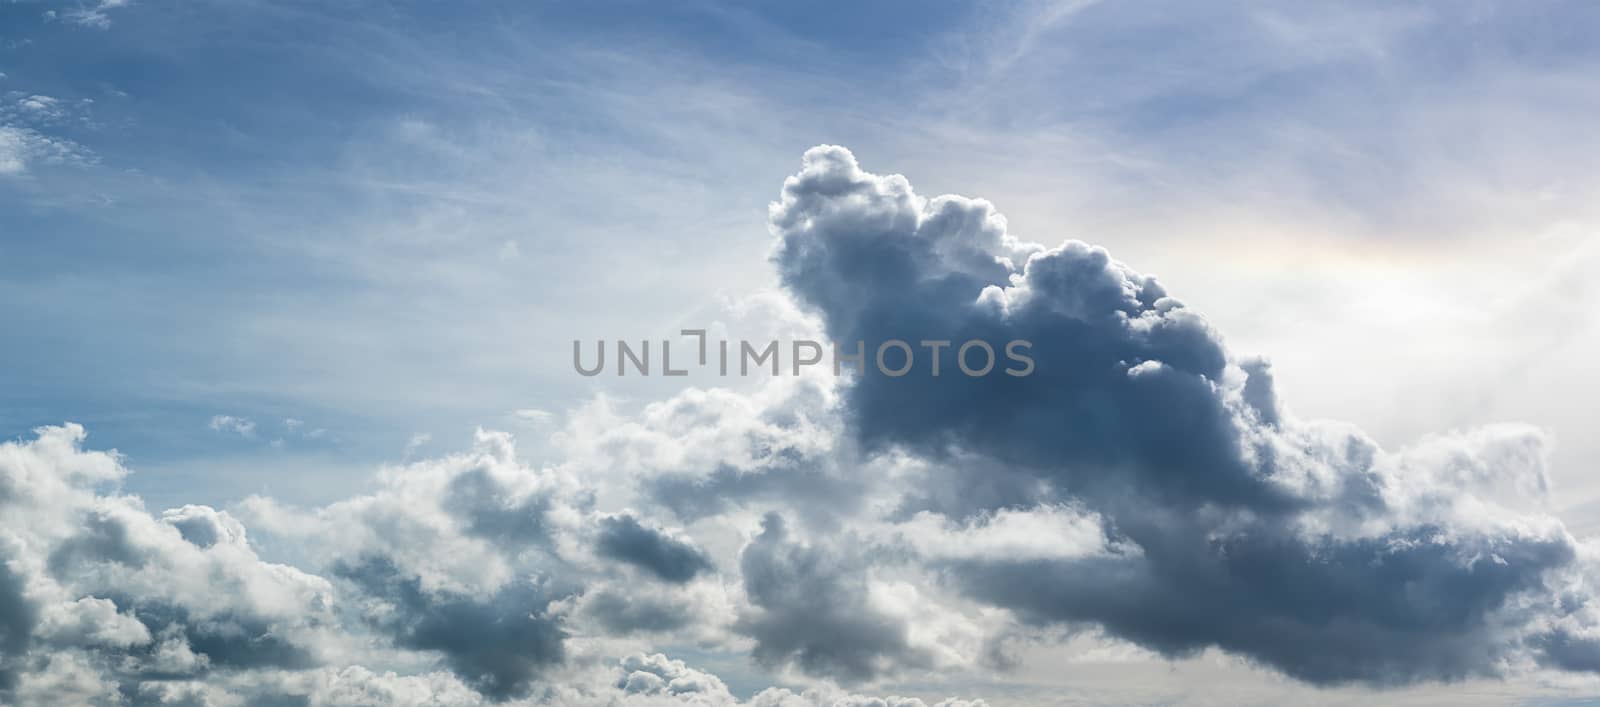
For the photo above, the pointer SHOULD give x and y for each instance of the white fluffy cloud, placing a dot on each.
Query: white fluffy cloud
(97, 581)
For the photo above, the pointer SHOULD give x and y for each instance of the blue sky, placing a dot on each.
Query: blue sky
(370, 229)
(262, 206)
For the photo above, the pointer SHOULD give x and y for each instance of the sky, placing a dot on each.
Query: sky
(289, 293)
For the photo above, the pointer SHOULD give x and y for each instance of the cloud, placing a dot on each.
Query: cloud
(622, 538)
(814, 607)
(95, 14)
(623, 613)
(27, 124)
(242, 426)
(659, 675)
(472, 560)
(106, 590)
(18, 616)
(703, 453)
(416, 442)
(22, 148)
(1145, 486)
(508, 251)
(533, 415)
(497, 644)
(1301, 545)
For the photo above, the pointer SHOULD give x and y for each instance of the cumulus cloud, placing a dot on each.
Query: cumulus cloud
(94, 584)
(1302, 545)
(456, 557)
(1145, 485)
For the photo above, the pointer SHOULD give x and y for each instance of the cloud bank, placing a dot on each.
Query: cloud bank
(1228, 522)
(1145, 485)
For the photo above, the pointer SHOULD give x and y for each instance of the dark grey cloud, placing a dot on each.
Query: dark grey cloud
(104, 538)
(622, 614)
(227, 640)
(812, 610)
(1301, 546)
(622, 538)
(17, 619)
(879, 265)
(1393, 609)
(491, 512)
(1567, 651)
(498, 644)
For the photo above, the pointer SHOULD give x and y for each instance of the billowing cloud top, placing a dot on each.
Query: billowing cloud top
(1228, 523)
(1143, 484)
